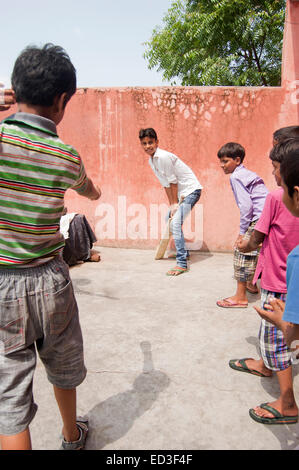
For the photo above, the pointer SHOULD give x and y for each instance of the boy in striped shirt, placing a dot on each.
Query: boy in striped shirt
(38, 310)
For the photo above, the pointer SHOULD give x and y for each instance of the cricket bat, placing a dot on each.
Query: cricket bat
(161, 248)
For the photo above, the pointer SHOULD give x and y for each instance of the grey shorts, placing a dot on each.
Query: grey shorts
(38, 312)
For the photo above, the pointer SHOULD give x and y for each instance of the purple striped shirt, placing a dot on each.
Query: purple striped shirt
(250, 193)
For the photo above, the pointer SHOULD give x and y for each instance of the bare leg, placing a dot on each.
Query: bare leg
(20, 441)
(67, 403)
(240, 295)
(286, 403)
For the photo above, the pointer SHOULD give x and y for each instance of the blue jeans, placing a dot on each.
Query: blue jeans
(176, 226)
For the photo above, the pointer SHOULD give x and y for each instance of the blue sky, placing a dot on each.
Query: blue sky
(103, 38)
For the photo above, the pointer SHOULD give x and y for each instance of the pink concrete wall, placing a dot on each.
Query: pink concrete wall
(192, 122)
(290, 65)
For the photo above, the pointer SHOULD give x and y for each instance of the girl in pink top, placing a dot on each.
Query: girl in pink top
(278, 231)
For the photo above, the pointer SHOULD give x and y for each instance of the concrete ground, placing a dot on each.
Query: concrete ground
(157, 351)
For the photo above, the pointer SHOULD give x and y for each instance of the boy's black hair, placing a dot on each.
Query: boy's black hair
(41, 74)
(284, 133)
(289, 168)
(148, 132)
(280, 150)
(232, 150)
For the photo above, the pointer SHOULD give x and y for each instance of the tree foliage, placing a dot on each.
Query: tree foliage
(219, 42)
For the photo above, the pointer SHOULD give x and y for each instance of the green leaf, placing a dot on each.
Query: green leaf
(219, 42)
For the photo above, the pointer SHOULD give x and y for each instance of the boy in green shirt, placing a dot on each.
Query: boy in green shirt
(39, 312)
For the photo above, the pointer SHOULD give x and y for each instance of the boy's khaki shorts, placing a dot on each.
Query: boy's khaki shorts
(38, 311)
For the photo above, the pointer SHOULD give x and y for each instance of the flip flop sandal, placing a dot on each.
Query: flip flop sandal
(244, 368)
(176, 271)
(278, 418)
(226, 303)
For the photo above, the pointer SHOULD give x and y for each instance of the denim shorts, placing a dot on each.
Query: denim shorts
(38, 312)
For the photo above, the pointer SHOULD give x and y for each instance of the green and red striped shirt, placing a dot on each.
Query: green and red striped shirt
(36, 169)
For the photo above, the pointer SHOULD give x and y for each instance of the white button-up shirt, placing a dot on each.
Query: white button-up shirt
(170, 169)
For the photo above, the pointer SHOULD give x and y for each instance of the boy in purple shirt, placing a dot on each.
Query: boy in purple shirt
(250, 193)
(278, 230)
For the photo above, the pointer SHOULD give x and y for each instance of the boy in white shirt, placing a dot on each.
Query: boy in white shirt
(182, 188)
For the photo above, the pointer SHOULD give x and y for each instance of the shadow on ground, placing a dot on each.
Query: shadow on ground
(113, 418)
(287, 435)
(82, 287)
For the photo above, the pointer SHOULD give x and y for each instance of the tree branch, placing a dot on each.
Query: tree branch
(256, 58)
(262, 46)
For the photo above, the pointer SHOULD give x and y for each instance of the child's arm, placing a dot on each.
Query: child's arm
(7, 98)
(91, 191)
(171, 188)
(253, 243)
(262, 227)
(274, 314)
(84, 185)
(285, 315)
(238, 240)
(244, 203)
(172, 194)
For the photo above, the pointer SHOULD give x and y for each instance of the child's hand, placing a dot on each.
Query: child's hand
(242, 245)
(96, 193)
(273, 312)
(173, 209)
(239, 239)
(7, 98)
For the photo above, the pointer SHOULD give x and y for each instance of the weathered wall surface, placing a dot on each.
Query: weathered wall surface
(192, 122)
